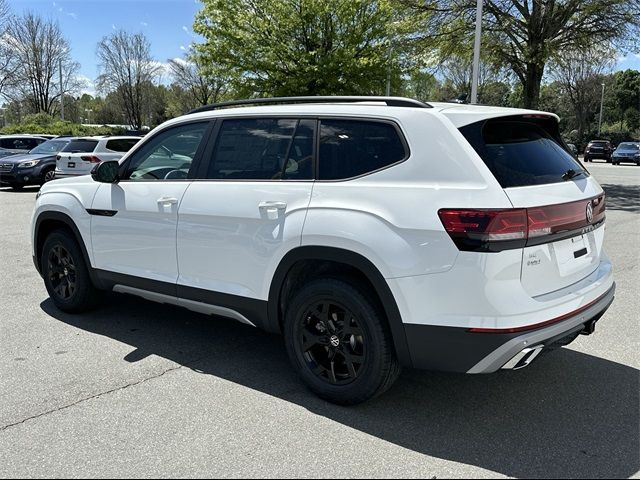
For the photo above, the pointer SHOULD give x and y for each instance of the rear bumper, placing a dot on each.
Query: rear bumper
(461, 350)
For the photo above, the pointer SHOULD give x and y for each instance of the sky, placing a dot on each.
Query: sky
(166, 23)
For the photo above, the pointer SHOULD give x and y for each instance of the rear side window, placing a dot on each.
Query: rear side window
(263, 149)
(520, 153)
(80, 146)
(121, 145)
(349, 148)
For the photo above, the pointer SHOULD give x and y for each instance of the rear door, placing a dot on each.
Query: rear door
(246, 209)
(565, 205)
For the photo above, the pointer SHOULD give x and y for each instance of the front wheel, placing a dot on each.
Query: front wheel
(47, 176)
(339, 341)
(65, 273)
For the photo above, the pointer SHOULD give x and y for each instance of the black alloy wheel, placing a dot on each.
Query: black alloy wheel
(338, 340)
(62, 272)
(332, 342)
(66, 274)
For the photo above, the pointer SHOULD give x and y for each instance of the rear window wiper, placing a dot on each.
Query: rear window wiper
(571, 173)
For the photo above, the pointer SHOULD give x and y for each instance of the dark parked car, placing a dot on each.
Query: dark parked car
(13, 144)
(626, 152)
(34, 168)
(598, 149)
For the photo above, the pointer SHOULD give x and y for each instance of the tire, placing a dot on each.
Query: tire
(47, 175)
(65, 273)
(364, 361)
(16, 187)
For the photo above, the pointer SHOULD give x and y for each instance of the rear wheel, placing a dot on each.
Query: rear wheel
(65, 273)
(338, 340)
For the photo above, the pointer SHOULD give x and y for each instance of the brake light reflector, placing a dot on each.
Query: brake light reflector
(91, 159)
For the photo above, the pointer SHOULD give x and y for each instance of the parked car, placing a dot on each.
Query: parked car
(80, 156)
(14, 144)
(626, 152)
(46, 135)
(34, 168)
(598, 149)
(372, 233)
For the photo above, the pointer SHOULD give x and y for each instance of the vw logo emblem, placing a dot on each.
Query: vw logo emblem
(589, 212)
(335, 341)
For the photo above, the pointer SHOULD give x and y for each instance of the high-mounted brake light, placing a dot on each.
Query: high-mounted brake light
(487, 230)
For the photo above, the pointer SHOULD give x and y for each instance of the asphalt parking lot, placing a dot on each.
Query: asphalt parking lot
(145, 390)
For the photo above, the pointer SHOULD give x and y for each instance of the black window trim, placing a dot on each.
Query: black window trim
(213, 139)
(195, 164)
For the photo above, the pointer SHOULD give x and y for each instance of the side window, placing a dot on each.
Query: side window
(167, 156)
(263, 149)
(349, 148)
(121, 145)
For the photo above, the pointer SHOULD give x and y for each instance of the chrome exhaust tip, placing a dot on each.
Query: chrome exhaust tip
(523, 358)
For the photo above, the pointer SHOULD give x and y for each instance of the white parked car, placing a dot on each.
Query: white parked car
(373, 233)
(82, 154)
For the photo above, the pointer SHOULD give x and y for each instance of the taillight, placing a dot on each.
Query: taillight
(91, 159)
(485, 230)
(496, 230)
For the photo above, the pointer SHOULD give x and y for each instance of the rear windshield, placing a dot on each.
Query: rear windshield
(520, 153)
(80, 146)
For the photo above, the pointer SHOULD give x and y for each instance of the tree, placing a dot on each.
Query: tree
(297, 47)
(38, 52)
(201, 88)
(6, 54)
(627, 94)
(127, 67)
(527, 34)
(581, 74)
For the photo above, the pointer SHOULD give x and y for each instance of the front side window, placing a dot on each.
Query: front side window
(263, 149)
(349, 148)
(167, 156)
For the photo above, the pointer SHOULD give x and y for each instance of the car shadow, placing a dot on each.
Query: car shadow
(568, 415)
(622, 197)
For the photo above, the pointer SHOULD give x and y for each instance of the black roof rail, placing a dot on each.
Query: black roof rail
(390, 101)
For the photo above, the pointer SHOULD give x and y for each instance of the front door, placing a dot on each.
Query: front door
(133, 226)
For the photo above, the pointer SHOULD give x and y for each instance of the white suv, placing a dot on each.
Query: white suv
(373, 233)
(82, 154)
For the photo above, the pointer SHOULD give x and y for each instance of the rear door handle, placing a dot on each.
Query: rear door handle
(272, 209)
(166, 201)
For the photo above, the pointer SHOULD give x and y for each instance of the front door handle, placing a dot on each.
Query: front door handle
(167, 201)
(272, 208)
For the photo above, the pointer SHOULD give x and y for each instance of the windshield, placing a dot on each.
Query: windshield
(51, 147)
(629, 146)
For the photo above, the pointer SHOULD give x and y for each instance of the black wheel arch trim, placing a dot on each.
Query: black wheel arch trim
(69, 223)
(352, 259)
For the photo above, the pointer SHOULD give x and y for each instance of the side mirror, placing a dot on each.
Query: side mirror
(106, 172)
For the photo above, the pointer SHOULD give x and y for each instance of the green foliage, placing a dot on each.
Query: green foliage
(44, 124)
(303, 47)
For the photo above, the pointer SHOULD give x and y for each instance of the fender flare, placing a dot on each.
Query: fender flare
(356, 261)
(69, 223)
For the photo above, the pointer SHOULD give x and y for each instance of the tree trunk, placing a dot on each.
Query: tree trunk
(533, 79)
